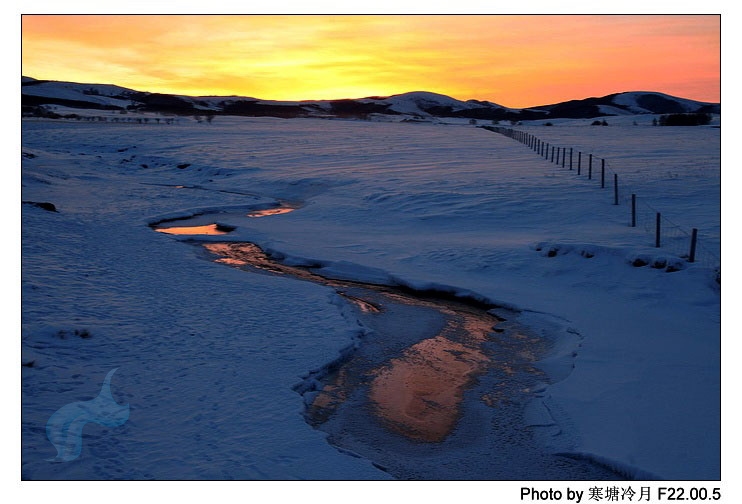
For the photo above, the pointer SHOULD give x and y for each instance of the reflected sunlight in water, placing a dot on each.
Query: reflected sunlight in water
(209, 229)
(270, 211)
(419, 392)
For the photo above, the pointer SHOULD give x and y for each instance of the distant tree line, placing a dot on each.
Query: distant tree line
(45, 113)
(693, 119)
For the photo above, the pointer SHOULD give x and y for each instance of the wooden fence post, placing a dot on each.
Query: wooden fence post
(615, 188)
(602, 174)
(579, 162)
(570, 157)
(693, 240)
(590, 168)
(633, 210)
(658, 226)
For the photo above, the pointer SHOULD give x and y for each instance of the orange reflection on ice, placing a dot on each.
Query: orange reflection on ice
(209, 229)
(270, 211)
(419, 393)
(242, 254)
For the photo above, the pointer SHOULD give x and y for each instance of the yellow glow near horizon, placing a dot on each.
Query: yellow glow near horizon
(516, 61)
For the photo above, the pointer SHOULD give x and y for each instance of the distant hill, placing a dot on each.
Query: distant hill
(417, 105)
(628, 103)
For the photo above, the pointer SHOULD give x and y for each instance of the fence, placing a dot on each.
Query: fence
(664, 233)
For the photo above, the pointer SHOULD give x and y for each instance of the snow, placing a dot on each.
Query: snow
(411, 103)
(631, 99)
(207, 356)
(102, 94)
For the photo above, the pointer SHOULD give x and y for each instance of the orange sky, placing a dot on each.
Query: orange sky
(515, 61)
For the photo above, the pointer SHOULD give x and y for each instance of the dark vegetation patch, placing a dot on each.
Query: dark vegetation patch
(49, 207)
(659, 104)
(659, 263)
(694, 119)
(31, 103)
(78, 333)
(356, 109)
(254, 108)
(639, 262)
(668, 264)
(576, 109)
(673, 266)
(156, 102)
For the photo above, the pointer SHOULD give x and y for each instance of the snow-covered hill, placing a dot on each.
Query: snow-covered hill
(628, 103)
(413, 105)
(96, 96)
(645, 102)
(424, 103)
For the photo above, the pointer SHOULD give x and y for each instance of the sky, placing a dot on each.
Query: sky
(513, 60)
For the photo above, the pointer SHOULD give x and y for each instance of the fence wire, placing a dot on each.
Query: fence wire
(671, 238)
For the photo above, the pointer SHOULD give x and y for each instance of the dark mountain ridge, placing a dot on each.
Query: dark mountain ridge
(36, 95)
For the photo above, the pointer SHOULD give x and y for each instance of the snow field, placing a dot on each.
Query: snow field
(209, 355)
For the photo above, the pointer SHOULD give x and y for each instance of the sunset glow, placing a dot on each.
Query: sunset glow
(515, 61)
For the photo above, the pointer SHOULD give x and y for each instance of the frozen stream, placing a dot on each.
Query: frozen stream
(435, 385)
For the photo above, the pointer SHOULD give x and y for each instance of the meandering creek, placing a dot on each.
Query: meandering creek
(435, 387)
(417, 393)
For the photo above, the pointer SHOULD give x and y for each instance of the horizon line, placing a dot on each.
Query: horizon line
(371, 96)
